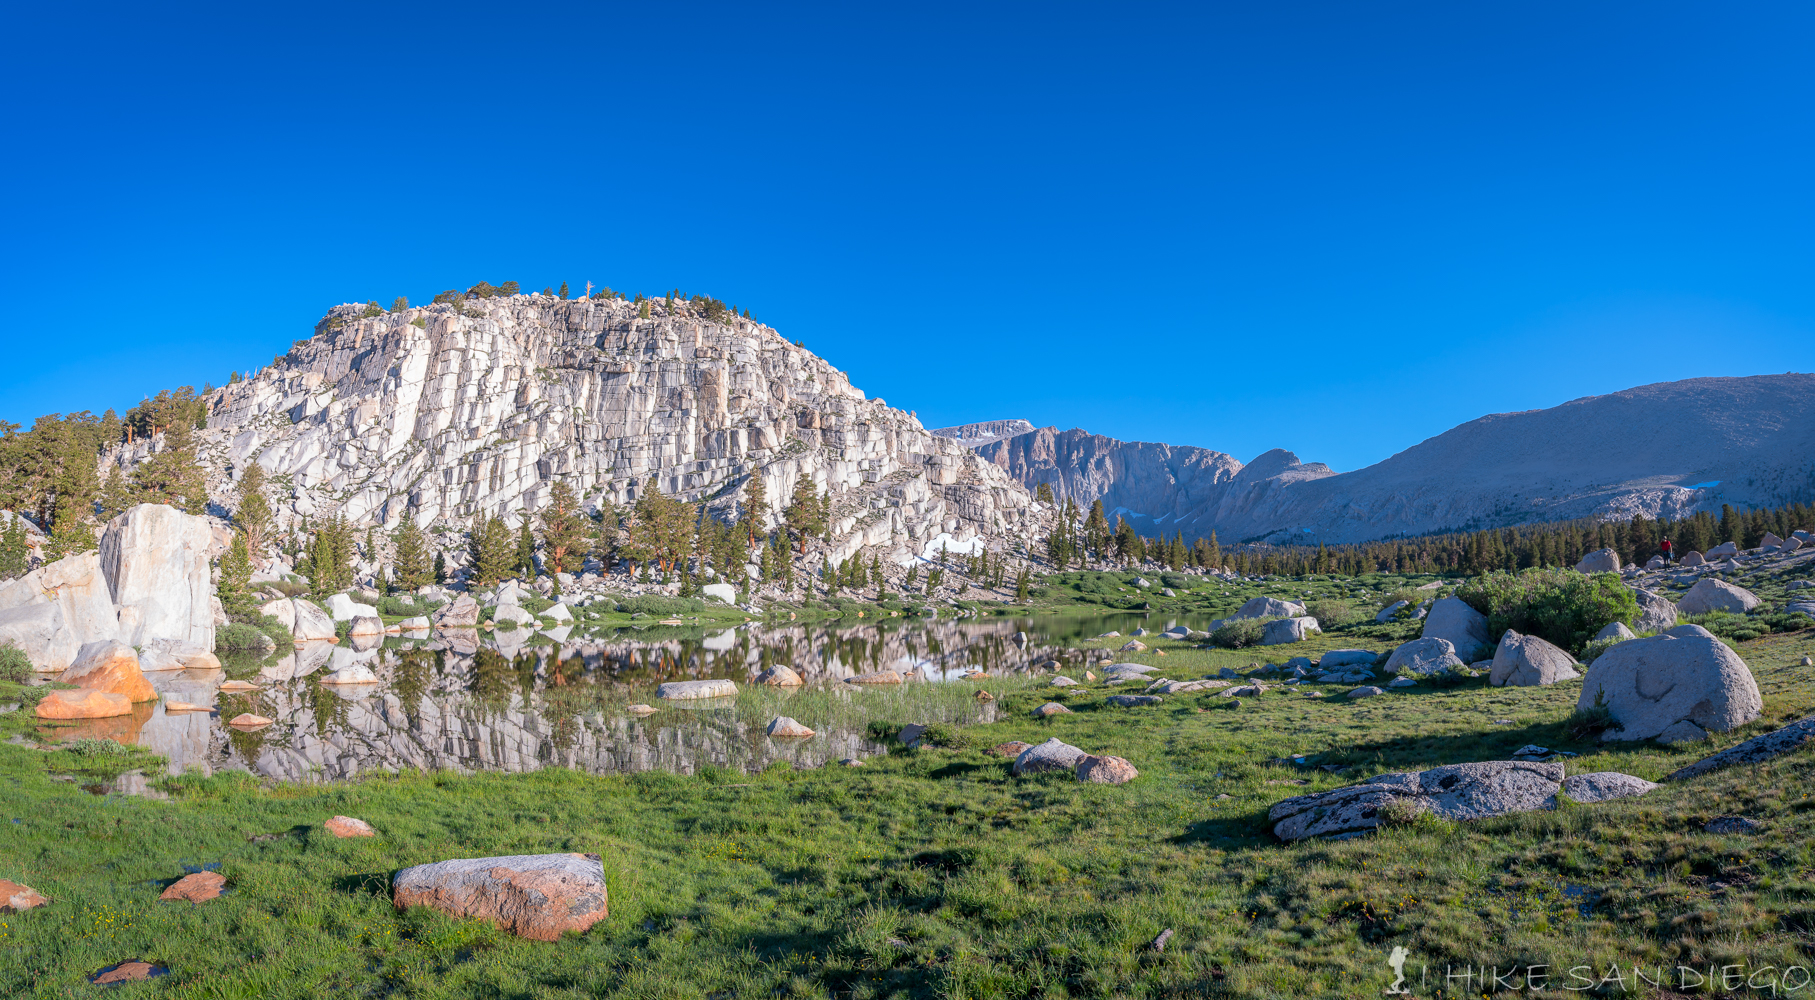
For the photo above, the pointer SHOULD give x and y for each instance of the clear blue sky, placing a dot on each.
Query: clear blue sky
(1338, 228)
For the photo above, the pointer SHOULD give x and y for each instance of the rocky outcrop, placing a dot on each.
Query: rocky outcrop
(439, 413)
(1756, 750)
(156, 561)
(1423, 656)
(1672, 687)
(1281, 631)
(1053, 755)
(1268, 607)
(111, 667)
(1599, 561)
(1528, 661)
(1656, 612)
(535, 896)
(55, 609)
(987, 432)
(1684, 446)
(83, 703)
(1455, 792)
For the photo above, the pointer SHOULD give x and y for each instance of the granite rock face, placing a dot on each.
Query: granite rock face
(1452, 619)
(442, 412)
(535, 896)
(156, 560)
(1528, 661)
(1656, 612)
(55, 609)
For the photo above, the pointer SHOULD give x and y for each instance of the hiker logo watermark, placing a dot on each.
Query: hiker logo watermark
(1763, 980)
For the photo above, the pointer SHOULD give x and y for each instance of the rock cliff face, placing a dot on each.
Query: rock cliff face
(974, 435)
(1668, 449)
(441, 413)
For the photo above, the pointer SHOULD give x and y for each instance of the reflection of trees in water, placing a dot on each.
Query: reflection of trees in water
(494, 677)
(412, 671)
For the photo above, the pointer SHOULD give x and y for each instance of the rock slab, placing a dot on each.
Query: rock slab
(535, 896)
(1455, 792)
(1756, 750)
(83, 703)
(684, 690)
(156, 559)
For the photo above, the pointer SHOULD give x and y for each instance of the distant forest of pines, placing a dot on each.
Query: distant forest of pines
(1078, 538)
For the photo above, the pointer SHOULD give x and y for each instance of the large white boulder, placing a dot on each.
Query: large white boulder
(57, 608)
(1723, 549)
(1710, 594)
(721, 591)
(1451, 618)
(1684, 676)
(1423, 656)
(1528, 661)
(1284, 630)
(305, 621)
(155, 559)
(344, 609)
(1599, 561)
(1616, 631)
(1269, 607)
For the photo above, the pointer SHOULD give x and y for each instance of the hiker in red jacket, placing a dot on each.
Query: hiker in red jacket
(1669, 555)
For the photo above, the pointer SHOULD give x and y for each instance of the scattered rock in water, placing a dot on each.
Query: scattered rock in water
(83, 703)
(640, 709)
(1053, 755)
(110, 667)
(197, 888)
(535, 896)
(1604, 786)
(463, 612)
(347, 826)
(1051, 708)
(134, 971)
(1131, 700)
(246, 720)
(171, 707)
(235, 687)
(687, 690)
(879, 677)
(1716, 595)
(1010, 749)
(365, 625)
(1732, 824)
(1368, 691)
(358, 673)
(17, 898)
(1105, 770)
(1684, 675)
(781, 725)
(780, 676)
(1528, 661)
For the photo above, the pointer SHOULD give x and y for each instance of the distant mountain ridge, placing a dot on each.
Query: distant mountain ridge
(1668, 449)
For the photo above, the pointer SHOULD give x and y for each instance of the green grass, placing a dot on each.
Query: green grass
(934, 872)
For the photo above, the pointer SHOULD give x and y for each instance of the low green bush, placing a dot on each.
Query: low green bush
(1331, 613)
(1593, 650)
(656, 604)
(1561, 606)
(1239, 633)
(236, 637)
(288, 588)
(1729, 626)
(15, 666)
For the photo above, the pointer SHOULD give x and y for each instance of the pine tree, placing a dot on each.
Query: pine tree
(563, 292)
(1043, 493)
(913, 577)
(172, 476)
(1021, 586)
(15, 555)
(494, 553)
(1096, 530)
(440, 566)
(805, 513)
(411, 567)
(1730, 528)
(753, 522)
(235, 587)
(254, 514)
(564, 528)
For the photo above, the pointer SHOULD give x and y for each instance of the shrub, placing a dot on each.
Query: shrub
(1453, 677)
(15, 666)
(237, 636)
(288, 588)
(1589, 723)
(1239, 633)
(1726, 625)
(1593, 650)
(1332, 613)
(90, 747)
(1558, 605)
(656, 604)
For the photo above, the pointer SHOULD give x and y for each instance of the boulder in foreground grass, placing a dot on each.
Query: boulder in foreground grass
(535, 896)
(197, 888)
(1455, 792)
(1528, 661)
(1463, 627)
(1051, 708)
(1423, 657)
(1756, 750)
(1604, 786)
(781, 725)
(17, 898)
(879, 677)
(347, 826)
(1685, 675)
(779, 676)
(1710, 594)
(1106, 770)
(1281, 631)
(1053, 755)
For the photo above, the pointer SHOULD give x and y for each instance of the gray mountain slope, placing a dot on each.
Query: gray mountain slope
(1665, 449)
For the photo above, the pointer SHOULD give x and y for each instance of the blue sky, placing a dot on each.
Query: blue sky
(1336, 228)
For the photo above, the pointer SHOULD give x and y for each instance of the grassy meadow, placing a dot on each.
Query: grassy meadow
(933, 872)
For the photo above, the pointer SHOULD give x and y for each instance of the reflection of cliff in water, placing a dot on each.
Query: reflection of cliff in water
(463, 702)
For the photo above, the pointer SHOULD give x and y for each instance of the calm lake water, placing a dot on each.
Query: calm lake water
(448, 701)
